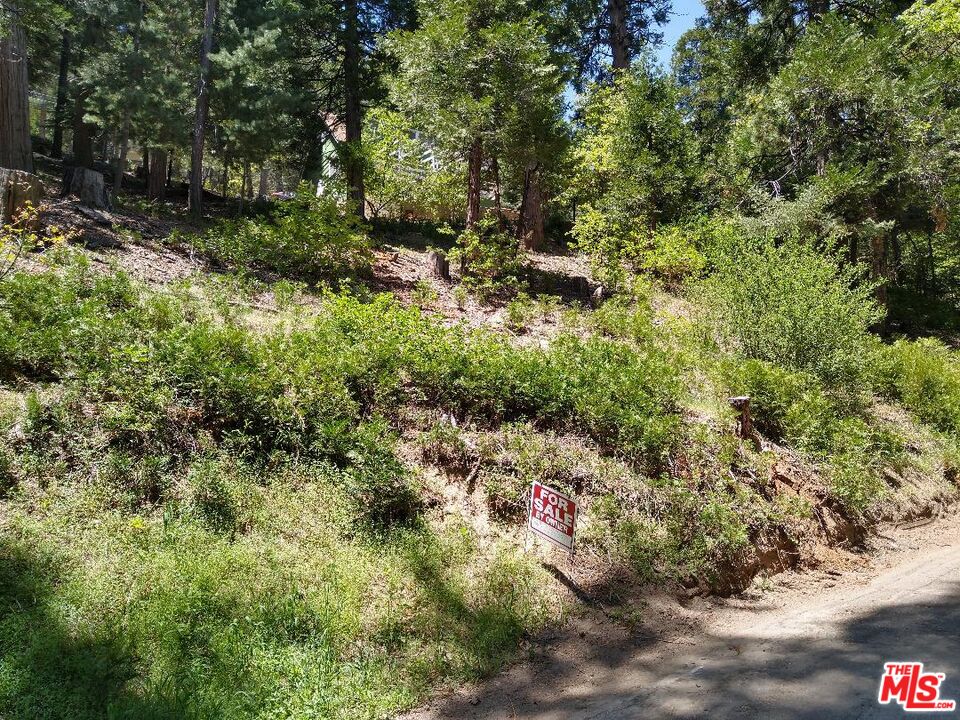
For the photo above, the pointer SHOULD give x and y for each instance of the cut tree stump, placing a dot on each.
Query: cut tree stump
(745, 429)
(88, 185)
(17, 189)
(439, 265)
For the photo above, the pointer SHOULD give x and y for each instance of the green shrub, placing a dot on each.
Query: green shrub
(619, 247)
(309, 237)
(925, 377)
(490, 258)
(794, 407)
(793, 306)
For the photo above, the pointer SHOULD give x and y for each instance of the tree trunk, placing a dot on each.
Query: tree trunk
(170, 170)
(225, 178)
(82, 132)
(202, 110)
(262, 185)
(439, 265)
(60, 109)
(879, 272)
(157, 179)
(619, 35)
(352, 110)
(121, 165)
(473, 183)
(17, 189)
(247, 189)
(531, 209)
(15, 150)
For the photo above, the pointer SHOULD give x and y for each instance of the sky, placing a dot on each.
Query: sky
(685, 14)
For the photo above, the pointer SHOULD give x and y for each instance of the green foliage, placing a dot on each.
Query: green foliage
(925, 377)
(794, 407)
(308, 237)
(490, 258)
(793, 306)
(619, 248)
(400, 181)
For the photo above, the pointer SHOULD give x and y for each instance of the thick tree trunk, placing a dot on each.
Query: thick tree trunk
(60, 109)
(353, 113)
(619, 35)
(475, 168)
(157, 179)
(439, 265)
(82, 132)
(15, 150)
(202, 110)
(17, 189)
(531, 210)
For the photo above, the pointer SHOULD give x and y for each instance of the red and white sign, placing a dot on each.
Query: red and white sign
(553, 515)
(913, 689)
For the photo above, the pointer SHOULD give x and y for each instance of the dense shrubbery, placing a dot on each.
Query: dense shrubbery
(790, 305)
(170, 369)
(309, 236)
(925, 377)
(619, 247)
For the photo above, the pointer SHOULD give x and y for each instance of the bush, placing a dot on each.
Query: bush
(490, 258)
(794, 407)
(925, 377)
(795, 307)
(308, 237)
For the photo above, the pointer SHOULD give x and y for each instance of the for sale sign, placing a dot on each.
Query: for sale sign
(553, 515)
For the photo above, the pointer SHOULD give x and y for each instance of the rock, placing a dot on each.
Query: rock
(88, 185)
(17, 190)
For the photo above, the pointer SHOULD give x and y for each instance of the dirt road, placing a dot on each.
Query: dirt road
(812, 647)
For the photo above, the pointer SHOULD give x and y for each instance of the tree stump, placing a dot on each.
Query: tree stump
(744, 422)
(439, 265)
(597, 296)
(17, 190)
(88, 185)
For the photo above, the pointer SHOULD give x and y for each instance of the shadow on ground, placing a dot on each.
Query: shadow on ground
(802, 677)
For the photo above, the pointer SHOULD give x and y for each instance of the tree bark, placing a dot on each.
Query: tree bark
(195, 202)
(247, 189)
(60, 109)
(619, 35)
(225, 178)
(15, 150)
(531, 209)
(475, 168)
(17, 190)
(262, 185)
(121, 164)
(82, 132)
(353, 117)
(157, 179)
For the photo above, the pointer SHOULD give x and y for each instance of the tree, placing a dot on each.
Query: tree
(611, 31)
(202, 110)
(470, 76)
(15, 146)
